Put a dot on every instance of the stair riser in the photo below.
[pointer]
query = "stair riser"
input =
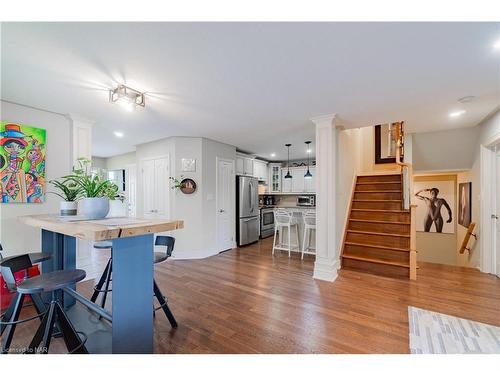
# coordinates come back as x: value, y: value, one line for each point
x: 375, y: 253
x: 377, y: 205
x: 380, y: 178
x: 379, y: 227
x: 377, y: 196
x: 375, y: 239
x: 381, y: 216
x: 378, y: 187
x: 377, y: 269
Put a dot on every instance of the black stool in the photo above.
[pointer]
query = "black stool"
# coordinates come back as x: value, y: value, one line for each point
x: 160, y: 257
x: 106, y: 275
x: 9, y: 266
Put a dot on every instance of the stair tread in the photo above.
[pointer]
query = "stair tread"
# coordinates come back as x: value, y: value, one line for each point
x: 378, y: 182
x: 379, y: 233
x: 377, y: 246
x: 379, y: 175
x: 379, y: 221
x: 376, y: 200
x: 374, y: 210
x: 377, y: 191
x: 379, y: 261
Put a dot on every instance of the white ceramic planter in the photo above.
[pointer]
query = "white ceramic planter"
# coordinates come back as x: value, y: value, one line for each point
x: 94, y: 208
x: 67, y: 208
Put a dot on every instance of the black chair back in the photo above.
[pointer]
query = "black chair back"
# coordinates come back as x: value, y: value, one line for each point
x: 166, y: 241
x: 1, y: 249
x: 12, y: 265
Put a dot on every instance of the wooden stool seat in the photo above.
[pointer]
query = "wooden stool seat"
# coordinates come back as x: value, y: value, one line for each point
x: 48, y: 282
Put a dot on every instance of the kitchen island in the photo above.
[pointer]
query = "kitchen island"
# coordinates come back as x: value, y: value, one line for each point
x: 297, y: 212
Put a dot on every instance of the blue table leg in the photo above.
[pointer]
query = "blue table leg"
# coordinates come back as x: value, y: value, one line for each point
x: 63, y: 250
x: 132, y: 294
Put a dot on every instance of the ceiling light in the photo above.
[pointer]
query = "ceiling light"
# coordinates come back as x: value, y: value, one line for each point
x: 288, y: 174
x: 497, y: 44
x: 127, y: 97
x: 308, y: 173
x: 456, y: 113
x: 273, y: 155
x: 118, y: 134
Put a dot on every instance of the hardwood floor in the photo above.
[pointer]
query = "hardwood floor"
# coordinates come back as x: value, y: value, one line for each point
x: 246, y: 301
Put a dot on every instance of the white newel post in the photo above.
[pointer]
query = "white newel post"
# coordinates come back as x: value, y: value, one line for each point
x: 327, y: 256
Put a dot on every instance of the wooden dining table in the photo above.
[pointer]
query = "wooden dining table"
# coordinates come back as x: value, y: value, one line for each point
x: 133, y: 248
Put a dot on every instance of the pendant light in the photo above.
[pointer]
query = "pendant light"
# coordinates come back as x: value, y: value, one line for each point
x: 288, y: 175
x: 308, y: 173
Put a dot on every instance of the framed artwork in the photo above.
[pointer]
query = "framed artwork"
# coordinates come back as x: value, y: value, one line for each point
x: 188, y: 186
x: 464, y: 204
x: 22, y: 163
x: 188, y: 165
x: 435, y: 204
x: 386, y: 142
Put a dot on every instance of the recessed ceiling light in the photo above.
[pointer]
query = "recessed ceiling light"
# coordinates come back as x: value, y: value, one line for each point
x: 118, y: 134
x: 456, y: 113
x: 273, y: 155
x: 466, y: 99
x: 497, y: 44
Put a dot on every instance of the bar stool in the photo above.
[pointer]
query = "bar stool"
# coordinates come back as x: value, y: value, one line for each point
x: 159, y: 257
x: 284, y: 219
x: 52, y: 282
x: 309, y: 218
x: 9, y: 278
x: 106, y: 275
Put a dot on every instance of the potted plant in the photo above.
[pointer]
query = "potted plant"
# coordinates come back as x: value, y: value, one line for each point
x: 69, y: 192
x: 95, y: 191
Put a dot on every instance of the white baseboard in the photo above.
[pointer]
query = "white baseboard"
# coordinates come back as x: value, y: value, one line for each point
x: 326, y: 271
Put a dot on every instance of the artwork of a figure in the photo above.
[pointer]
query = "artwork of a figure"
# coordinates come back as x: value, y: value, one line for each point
x: 464, y: 205
x: 22, y: 169
x: 435, y: 206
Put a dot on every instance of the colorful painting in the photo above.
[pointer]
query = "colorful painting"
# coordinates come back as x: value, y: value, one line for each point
x: 22, y: 163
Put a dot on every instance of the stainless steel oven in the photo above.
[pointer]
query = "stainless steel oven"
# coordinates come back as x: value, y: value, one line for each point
x: 266, y: 222
x: 306, y: 200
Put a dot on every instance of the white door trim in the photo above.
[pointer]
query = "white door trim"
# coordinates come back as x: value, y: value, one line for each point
x: 487, y: 256
x: 233, y: 207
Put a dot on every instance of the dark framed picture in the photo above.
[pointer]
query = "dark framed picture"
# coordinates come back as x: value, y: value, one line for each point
x: 188, y: 186
x: 386, y: 142
x: 464, y: 204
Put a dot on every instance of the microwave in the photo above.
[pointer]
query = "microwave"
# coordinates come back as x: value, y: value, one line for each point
x: 306, y: 200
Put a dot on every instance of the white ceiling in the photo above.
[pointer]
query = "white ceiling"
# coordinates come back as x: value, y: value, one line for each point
x: 253, y: 85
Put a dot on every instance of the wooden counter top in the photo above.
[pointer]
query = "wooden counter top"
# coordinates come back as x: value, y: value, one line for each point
x: 100, y: 230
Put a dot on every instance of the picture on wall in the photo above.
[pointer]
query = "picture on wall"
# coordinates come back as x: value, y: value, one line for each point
x: 435, y: 204
x: 464, y: 204
x: 22, y: 163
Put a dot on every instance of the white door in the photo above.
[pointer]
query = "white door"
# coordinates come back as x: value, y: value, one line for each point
x: 225, y: 203
x: 131, y: 177
x: 155, y: 182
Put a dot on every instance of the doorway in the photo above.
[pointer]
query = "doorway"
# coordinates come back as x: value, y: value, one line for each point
x: 155, y: 186
x: 225, y: 202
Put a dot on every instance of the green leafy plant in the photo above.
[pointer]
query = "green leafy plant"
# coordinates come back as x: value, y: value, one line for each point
x: 67, y: 191
x: 91, y: 183
x: 175, y: 183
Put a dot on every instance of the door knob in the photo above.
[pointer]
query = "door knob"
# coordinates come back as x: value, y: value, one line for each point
x: 221, y: 210
x: 493, y: 216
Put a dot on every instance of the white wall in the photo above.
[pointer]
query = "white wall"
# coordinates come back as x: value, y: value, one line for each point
x: 444, y: 150
x: 198, y: 210
x: 120, y: 161
x: 17, y: 238
x: 98, y: 162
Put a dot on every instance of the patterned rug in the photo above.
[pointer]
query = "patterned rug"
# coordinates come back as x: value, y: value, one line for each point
x: 435, y: 333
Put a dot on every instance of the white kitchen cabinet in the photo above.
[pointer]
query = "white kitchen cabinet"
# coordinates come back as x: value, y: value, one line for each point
x: 244, y: 166
x: 240, y: 165
x: 286, y: 183
x: 260, y: 170
x: 310, y: 183
x: 248, y: 166
x: 275, y: 178
x: 298, y: 181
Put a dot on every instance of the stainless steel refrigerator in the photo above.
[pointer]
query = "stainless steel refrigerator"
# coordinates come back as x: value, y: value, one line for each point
x: 247, y: 207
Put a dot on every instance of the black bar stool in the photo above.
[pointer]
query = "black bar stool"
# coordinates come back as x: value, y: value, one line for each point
x: 10, y: 268
x: 106, y: 275
x: 160, y: 257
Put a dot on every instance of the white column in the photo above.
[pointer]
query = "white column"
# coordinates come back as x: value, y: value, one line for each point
x: 82, y: 137
x: 327, y: 255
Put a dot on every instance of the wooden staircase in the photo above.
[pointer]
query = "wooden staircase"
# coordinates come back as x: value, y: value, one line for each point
x: 378, y: 231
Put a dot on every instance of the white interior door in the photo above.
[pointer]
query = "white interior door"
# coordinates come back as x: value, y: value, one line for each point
x: 225, y: 203
x: 131, y: 176
x: 155, y: 174
x: 148, y: 184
